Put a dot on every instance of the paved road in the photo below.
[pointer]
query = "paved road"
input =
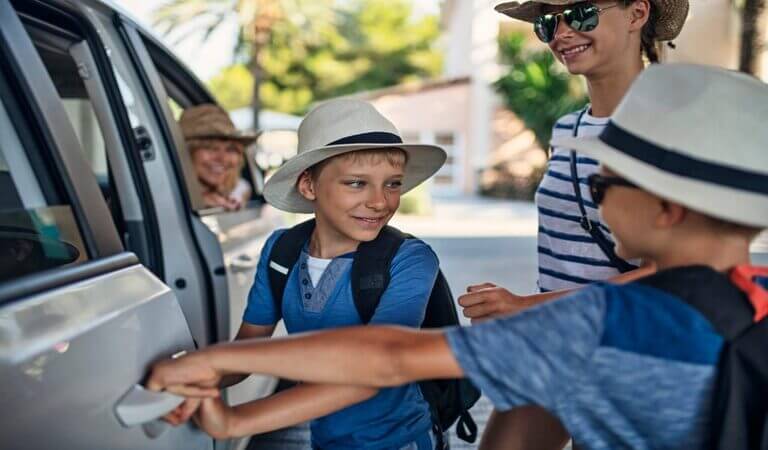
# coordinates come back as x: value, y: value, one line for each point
x: 477, y: 240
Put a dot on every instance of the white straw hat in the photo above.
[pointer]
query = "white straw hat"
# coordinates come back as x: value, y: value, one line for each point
x: 343, y: 126
x: 693, y: 134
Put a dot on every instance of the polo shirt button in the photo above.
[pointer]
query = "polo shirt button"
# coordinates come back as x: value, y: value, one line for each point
x: 305, y: 282
x: 307, y: 296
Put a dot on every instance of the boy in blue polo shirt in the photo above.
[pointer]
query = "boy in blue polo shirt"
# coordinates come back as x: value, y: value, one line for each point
x: 350, y: 171
x: 683, y: 184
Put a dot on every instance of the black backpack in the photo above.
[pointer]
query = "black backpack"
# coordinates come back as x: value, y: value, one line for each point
x: 740, y: 406
x: 449, y: 400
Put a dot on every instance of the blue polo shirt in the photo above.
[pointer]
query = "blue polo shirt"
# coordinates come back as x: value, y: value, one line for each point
x: 394, y: 417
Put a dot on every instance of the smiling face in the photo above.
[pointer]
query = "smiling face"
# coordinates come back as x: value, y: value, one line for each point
x: 613, y: 44
x: 356, y: 194
x: 217, y: 162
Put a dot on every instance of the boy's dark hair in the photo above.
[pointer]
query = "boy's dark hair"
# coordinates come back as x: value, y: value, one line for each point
x: 649, y: 45
x: 731, y: 227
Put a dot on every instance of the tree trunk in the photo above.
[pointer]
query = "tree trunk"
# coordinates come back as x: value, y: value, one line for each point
x: 257, y: 72
x: 753, y: 34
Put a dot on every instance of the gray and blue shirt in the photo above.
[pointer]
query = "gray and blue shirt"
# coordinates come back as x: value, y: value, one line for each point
x: 622, y: 367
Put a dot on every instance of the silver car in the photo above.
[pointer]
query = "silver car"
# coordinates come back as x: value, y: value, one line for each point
x: 108, y: 258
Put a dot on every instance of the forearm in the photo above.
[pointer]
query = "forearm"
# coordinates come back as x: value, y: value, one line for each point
x: 293, y: 406
x: 369, y: 356
x: 627, y: 277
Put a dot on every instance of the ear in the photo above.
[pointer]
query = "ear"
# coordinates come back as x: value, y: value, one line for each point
x: 670, y: 214
x: 306, y: 186
x: 639, y: 14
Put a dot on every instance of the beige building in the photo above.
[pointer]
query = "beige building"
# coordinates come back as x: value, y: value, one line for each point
x: 463, y: 113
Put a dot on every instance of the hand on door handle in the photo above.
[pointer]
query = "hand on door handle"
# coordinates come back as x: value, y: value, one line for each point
x: 139, y: 406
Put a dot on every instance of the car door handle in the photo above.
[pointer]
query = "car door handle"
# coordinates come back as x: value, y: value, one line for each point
x: 140, y: 406
x: 243, y: 263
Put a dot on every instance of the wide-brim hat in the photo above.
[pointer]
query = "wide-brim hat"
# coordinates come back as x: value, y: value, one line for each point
x: 209, y: 121
x: 343, y: 126
x: 672, y: 13
x: 695, y: 135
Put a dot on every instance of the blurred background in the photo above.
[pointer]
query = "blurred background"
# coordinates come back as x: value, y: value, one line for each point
x: 450, y: 72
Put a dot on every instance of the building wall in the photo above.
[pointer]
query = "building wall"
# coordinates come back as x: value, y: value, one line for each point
x: 710, y: 35
x: 429, y: 114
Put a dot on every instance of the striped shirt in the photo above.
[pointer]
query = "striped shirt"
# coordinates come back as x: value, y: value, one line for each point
x: 568, y: 255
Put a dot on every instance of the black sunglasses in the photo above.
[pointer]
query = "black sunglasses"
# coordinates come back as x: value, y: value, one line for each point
x: 580, y: 16
x: 598, y: 184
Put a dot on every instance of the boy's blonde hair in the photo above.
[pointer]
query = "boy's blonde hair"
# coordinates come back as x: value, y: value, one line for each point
x: 394, y: 156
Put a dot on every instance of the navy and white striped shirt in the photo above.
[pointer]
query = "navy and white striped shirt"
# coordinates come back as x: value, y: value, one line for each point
x: 568, y: 256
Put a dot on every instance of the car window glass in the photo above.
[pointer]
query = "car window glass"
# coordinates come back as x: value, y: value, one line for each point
x: 67, y: 76
x: 35, y: 234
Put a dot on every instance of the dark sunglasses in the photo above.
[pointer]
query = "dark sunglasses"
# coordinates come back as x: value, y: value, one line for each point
x: 580, y: 16
x: 598, y: 184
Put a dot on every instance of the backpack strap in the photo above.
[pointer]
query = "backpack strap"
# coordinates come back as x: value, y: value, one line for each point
x: 746, y: 278
x: 370, y: 270
x: 593, y: 229
x: 283, y: 257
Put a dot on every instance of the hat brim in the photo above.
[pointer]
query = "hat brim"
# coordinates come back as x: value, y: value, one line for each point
x: 712, y: 199
x: 245, y: 139
x: 280, y: 189
x: 672, y: 14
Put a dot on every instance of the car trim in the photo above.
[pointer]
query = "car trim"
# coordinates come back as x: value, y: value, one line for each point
x: 39, y: 282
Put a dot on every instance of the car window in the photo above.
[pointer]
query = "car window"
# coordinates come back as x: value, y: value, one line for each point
x: 36, y: 233
x: 68, y: 77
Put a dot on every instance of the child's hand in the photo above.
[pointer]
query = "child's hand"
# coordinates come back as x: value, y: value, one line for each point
x: 190, y: 375
x: 486, y: 301
x: 183, y: 412
x: 215, y: 418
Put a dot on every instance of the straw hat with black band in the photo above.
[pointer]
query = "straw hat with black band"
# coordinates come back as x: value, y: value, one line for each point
x: 343, y: 126
x: 209, y: 121
x: 672, y: 13
x: 695, y: 135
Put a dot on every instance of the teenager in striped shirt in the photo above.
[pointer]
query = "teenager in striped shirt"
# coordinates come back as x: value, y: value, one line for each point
x: 607, y: 42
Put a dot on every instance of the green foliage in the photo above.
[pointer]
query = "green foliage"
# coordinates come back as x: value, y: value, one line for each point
x: 416, y: 202
x: 363, y: 45
x: 233, y: 87
x: 536, y: 88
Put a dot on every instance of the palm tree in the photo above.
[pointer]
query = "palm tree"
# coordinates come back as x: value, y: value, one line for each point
x: 256, y: 20
x: 753, y: 36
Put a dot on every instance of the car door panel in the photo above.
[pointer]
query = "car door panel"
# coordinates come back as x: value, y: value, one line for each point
x: 67, y: 357
x: 80, y: 331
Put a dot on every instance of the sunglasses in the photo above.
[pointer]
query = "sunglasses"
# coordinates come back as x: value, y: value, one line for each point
x: 580, y: 16
x: 598, y: 184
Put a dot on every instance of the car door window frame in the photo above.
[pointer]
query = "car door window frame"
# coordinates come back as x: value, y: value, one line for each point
x: 81, y: 29
x: 48, y: 139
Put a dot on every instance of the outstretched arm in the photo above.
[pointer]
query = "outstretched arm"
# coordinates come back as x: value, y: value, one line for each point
x: 284, y: 409
x: 364, y: 356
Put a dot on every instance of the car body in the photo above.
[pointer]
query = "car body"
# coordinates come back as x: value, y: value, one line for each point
x: 109, y: 260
